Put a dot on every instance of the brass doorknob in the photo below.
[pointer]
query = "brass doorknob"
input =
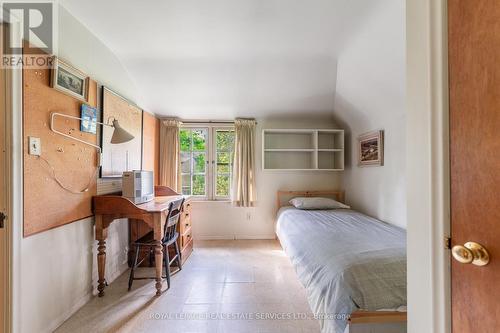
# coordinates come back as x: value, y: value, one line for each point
x: 471, y: 253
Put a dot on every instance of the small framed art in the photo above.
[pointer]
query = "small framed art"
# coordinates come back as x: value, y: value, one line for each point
x: 89, y: 119
x: 371, y: 149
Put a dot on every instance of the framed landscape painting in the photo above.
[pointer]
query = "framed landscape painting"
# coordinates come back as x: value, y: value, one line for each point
x: 69, y: 80
x: 371, y: 149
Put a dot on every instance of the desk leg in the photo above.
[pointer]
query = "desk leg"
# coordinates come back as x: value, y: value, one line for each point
x: 159, y: 266
x: 101, y: 235
x: 158, y: 235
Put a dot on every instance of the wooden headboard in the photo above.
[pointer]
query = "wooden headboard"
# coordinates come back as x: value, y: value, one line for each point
x: 284, y: 196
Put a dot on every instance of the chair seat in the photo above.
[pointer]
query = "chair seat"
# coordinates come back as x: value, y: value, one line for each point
x: 148, y: 240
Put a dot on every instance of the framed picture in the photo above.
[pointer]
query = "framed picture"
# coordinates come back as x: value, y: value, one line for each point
x: 69, y: 80
x: 371, y: 149
x: 89, y: 119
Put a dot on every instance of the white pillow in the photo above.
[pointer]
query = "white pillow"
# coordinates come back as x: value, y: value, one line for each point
x: 316, y: 203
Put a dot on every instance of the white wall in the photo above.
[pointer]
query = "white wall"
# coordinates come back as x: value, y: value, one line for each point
x: 221, y: 220
x: 370, y: 95
x: 58, y: 267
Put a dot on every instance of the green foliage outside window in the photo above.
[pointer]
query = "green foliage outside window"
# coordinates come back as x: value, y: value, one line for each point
x: 199, y: 140
x: 224, y: 148
x: 223, y: 185
x: 185, y: 139
x: 225, y: 140
x: 198, y: 184
x: 196, y: 138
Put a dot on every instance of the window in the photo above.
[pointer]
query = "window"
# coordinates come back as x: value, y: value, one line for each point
x: 223, y: 148
x: 206, y: 161
x: 194, y: 153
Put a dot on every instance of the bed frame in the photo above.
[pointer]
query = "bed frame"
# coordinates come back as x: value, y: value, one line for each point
x: 360, y: 316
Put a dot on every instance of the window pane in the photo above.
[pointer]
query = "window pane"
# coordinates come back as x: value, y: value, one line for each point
x: 223, y: 158
x: 222, y: 186
x: 199, y: 139
x: 186, y: 162
x: 185, y: 138
x: 186, y: 184
x: 199, y: 185
x: 223, y: 162
x: 223, y: 168
x: 225, y: 140
x: 199, y: 162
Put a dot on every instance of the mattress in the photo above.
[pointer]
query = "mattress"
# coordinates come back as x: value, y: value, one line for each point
x: 346, y: 261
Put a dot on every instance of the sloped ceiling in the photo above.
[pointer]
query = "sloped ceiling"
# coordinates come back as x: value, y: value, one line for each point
x: 218, y: 59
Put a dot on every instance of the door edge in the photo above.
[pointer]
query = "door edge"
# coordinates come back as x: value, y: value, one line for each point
x: 428, y: 208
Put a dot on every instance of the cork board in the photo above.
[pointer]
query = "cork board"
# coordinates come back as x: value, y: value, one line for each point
x: 127, y: 156
x: 46, y: 204
x: 151, y: 144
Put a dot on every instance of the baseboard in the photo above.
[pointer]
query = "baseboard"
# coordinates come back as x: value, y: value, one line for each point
x: 235, y: 237
x: 255, y: 237
x: 202, y: 238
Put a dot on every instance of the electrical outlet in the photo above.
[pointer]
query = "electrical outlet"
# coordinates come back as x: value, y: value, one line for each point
x: 35, y: 146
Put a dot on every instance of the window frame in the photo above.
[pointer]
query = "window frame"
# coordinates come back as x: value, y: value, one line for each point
x: 211, y: 163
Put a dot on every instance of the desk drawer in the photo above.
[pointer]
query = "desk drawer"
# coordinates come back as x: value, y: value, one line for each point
x: 186, y: 251
x: 186, y: 238
x: 186, y: 212
x: 184, y: 224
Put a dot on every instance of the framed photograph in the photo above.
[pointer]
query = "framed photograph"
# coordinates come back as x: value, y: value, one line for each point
x: 69, y: 80
x: 89, y: 119
x: 371, y: 149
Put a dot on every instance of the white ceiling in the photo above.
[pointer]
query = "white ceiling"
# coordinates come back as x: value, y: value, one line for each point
x: 218, y: 59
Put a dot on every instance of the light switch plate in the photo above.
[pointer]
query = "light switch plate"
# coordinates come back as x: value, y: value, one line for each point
x: 35, y: 146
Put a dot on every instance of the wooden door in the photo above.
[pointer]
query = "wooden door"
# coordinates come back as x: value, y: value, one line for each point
x: 474, y: 79
x: 3, y: 199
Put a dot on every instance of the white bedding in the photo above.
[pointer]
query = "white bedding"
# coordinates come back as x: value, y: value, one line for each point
x: 346, y: 261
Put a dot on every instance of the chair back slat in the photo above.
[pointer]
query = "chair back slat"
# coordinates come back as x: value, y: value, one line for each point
x: 173, y: 216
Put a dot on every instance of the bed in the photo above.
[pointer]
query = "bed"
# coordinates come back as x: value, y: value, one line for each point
x: 352, y: 266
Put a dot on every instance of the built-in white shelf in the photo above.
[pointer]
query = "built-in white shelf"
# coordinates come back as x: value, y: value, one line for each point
x: 303, y: 149
x: 330, y: 149
x: 289, y: 150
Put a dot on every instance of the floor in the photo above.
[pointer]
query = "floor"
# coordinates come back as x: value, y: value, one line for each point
x: 225, y: 286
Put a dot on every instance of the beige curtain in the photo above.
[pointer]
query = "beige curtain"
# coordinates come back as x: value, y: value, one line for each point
x: 243, y: 188
x: 170, y: 154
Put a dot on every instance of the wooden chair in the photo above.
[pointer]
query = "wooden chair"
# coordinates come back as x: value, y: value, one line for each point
x: 170, y: 238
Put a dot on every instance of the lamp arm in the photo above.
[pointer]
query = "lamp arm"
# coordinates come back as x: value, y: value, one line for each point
x: 54, y: 114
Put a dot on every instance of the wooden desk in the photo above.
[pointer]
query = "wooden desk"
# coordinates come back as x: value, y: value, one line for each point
x: 108, y: 208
